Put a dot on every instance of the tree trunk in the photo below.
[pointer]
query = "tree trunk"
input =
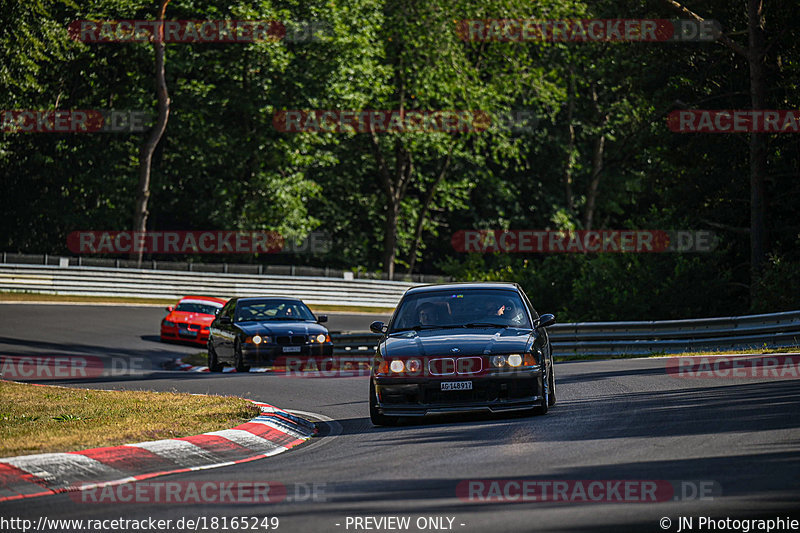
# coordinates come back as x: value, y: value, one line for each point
x: 598, y: 153
x: 570, y: 141
x: 597, y: 169
x: 394, y: 182
x: 426, y: 204
x: 390, y: 238
x: 149, y: 146
x: 755, y: 54
x: 758, y: 141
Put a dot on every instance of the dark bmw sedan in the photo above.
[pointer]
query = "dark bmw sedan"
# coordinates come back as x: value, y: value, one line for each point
x: 462, y: 347
x: 261, y: 331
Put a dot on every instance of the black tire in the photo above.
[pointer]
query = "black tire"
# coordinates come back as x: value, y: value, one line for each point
x: 213, y: 361
x: 377, y: 418
x: 552, y: 380
x: 238, y: 359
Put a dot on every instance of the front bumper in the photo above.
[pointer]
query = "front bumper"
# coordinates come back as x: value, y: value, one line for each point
x: 174, y: 334
x: 269, y: 354
x: 490, y: 393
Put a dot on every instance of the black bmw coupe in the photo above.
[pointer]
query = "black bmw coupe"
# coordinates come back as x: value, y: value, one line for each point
x: 259, y: 331
x: 462, y: 347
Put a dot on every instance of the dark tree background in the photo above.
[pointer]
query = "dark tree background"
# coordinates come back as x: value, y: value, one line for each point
x: 600, y: 155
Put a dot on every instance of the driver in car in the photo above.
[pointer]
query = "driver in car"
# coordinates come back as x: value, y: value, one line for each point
x: 506, y: 310
x: 493, y: 309
x: 426, y: 315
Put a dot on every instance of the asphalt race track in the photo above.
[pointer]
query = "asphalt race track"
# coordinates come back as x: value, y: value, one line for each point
x: 737, y: 439
x: 127, y: 335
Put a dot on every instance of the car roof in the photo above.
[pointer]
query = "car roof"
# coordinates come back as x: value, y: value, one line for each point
x: 498, y: 285
x: 211, y: 299
x: 262, y: 298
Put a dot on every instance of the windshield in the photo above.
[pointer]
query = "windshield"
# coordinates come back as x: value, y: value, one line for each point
x: 461, y: 308
x: 190, y: 307
x: 258, y: 310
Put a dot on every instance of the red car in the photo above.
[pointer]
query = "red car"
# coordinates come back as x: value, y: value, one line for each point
x: 190, y: 319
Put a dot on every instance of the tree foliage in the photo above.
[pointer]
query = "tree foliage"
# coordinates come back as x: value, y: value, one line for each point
x: 600, y: 154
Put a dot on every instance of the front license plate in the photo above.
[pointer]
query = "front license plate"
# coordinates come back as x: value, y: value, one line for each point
x: 456, y: 385
x: 187, y: 333
x: 291, y: 349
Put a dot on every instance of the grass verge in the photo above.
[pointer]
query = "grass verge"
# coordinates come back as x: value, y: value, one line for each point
x: 195, y: 359
x: 36, y: 419
x: 14, y: 296
x: 753, y: 351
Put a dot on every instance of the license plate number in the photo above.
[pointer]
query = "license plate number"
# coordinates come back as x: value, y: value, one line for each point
x: 457, y: 385
x: 291, y: 349
x: 187, y: 333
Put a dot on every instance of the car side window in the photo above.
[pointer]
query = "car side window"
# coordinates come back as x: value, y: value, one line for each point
x: 227, y: 310
x: 534, y: 314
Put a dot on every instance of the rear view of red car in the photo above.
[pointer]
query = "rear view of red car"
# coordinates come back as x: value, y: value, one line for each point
x: 190, y: 319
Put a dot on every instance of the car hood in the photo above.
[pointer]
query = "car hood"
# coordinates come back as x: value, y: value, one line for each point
x: 478, y: 341
x: 277, y: 327
x: 191, y: 318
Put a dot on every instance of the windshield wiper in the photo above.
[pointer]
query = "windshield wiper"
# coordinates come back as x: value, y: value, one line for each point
x: 486, y: 325
x: 419, y: 327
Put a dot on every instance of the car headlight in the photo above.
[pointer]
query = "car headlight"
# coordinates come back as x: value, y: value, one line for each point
x: 167, y: 323
x: 513, y: 360
x: 413, y: 366
x: 257, y: 339
x: 396, y: 366
x: 321, y: 337
x: 498, y: 360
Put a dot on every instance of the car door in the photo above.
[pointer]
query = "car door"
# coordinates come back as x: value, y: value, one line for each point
x: 542, y: 341
x: 222, y: 332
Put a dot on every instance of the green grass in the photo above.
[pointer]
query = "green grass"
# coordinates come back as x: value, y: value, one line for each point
x: 36, y: 419
x: 13, y: 296
x: 752, y: 351
x: 196, y: 359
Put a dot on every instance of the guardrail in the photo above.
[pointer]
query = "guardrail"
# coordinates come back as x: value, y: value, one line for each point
x: 8, y: 258
x: 94, y: 281
x: 775, y: 330
x: 582, y: 338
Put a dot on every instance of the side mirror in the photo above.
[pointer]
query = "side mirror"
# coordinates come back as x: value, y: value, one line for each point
x: 224, y: 320
x: 322, y: 318
x: 544, y: 321
x: 377, y: 327
x: 170, y: 309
